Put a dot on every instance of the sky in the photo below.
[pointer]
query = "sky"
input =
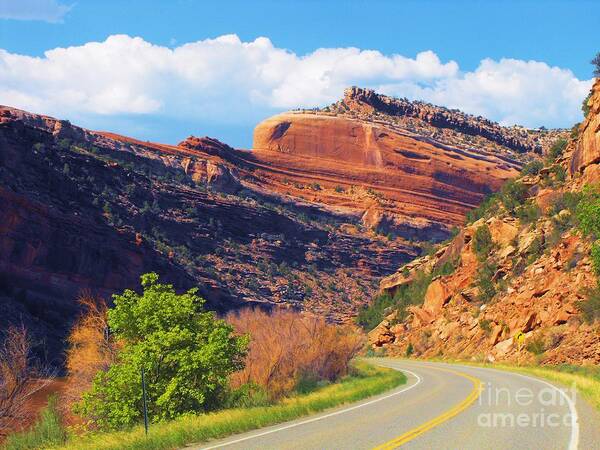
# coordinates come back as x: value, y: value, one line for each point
x: 162, y: 70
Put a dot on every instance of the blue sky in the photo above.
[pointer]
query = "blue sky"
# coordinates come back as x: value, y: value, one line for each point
x: 475, y: 55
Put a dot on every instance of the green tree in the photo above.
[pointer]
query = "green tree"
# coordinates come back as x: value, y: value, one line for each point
x: 532, y: 168
x: 557, y: 149
x: 482, y: 242
x: 513, y: 194
x: 186, y: 352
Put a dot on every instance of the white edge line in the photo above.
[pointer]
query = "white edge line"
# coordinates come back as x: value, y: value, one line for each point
x: 574, y: 441
x: 315, y: 419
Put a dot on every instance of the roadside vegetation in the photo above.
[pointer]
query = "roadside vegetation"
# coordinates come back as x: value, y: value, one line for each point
x: 363, y: 381
x: 206, y: 377
x: 411, y: 293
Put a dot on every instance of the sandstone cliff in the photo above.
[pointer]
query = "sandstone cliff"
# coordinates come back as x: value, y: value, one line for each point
x: 422, y: 166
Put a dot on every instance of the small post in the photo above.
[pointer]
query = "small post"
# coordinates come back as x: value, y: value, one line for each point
x: 145, y: 402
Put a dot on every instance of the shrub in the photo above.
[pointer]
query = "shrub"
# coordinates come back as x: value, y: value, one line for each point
x: 513, y: 194
x: 595, y: 254
x: 535, y: 250
x: 488, y: 204
x: 567, y: 200
x: 91, y: 348
x: 590, y: 307
x: 409, y: 349
x: 532, y: 168
x: 528, y: 213
x: 411, y: 293
x: 559, y: 172
x: 557, y: 149
x: 537, y: 345
x: 588, y: 212
x: 486, y: 325
x: 288, y: 351
x: 186, y: 352
x: 482, y: 242
x: 483, y: 280
x: 427, y: 248
x: 585, y: 108
x: 370, y: 316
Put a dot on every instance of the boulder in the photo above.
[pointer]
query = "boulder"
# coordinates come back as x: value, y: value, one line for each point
x: 437, y: 295
x: 502, y: 232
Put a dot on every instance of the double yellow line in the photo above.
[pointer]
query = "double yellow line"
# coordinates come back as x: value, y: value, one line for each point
x: 455, y: 410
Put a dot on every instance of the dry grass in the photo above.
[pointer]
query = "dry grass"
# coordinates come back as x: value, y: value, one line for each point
x: 287, y: 347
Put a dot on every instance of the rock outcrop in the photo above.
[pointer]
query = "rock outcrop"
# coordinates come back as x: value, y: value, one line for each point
x: 367, y: 101
x: 539, y: 269
x: 408, y: 185
x: 587, y: 150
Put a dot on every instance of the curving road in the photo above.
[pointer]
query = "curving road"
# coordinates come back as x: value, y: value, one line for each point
x: 442, y: 406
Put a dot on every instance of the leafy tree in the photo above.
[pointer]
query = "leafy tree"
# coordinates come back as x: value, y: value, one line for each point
x: 186, y: 352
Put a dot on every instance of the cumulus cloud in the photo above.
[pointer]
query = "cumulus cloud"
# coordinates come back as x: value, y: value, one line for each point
x: 225, y: 80
x: 46, y: 10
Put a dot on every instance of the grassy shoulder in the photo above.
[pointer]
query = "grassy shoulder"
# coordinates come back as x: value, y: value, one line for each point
x: 365, y: 381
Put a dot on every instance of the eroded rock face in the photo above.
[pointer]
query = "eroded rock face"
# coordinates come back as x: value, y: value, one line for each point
x: 367, y: 100
x: 206, y: 144
x: 538, y: 302
x: 409, y: 183
x: 587, y: 150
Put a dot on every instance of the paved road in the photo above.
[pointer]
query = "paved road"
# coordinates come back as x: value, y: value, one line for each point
x: 442, y: 406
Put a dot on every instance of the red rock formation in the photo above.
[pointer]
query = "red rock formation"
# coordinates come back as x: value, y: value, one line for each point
x: 587, y: 151
x: 414, y: 182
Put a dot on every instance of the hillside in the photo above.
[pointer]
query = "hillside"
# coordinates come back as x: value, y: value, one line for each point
x: 519, y: 282
x: 313, y: 227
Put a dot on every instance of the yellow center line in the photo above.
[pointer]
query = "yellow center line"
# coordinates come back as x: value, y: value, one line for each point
x: 455, y: 410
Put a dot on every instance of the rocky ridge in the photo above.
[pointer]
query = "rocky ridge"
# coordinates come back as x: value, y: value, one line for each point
x: 541, y: 271
x: 422, y: 166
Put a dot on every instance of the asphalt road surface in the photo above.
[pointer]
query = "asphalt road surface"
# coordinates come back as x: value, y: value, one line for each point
x: 442, y: 406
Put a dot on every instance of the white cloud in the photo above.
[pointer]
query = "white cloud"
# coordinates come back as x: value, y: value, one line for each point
x: 227, y: 81
x: 46, y: 10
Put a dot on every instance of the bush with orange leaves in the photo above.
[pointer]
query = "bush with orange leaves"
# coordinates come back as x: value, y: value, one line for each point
x: 91, y: 349
x: 287, y: 347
